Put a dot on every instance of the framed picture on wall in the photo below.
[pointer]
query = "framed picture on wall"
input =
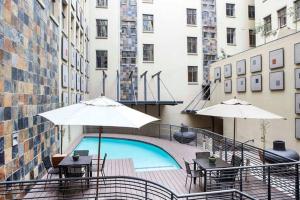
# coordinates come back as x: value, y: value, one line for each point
x: 297, y: 103
x: 276, y: 80
x: 256, y: 83
x: 228, y: 86
x: 297, y: 53
x: 65, y: 76
x: 217, y: 73
x: 227, y: 71
x: 297, y: 78
x: 256, y: 64
x: 241, y: 67
x: 297, y: 128
x: 65, y: 48
x: 241, y: 84
x: 276, y: 58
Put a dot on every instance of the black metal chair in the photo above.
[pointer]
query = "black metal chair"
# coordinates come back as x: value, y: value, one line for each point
x: 103, y: 164
x: 200, y: 155
x: 74, y: 172
x: 49, y: 168
x: 236, y: 161
x: 226, y: 178
x: 82, y: 152
x: 191, y: 174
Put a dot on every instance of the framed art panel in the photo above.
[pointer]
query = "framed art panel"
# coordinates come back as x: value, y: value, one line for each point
x: 77, y: 60
x: 65, y: 48
x: 228, y: 86
x: 256, y: 83
x: 297, y: 103
x: 297, y: 53
x: 297, y: 128
x: 217, y: 73
x: 241, y: 67
x: 227, y: 71
x: 276, y: 80
x: 65, y: 98
x: 297, y: 78
x: 65, y: 76
x: 241, y: 84
x: 256, y: 64
x: 276, y: 59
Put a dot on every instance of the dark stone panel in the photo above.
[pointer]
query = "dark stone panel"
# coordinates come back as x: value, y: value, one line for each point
x: 14, y: 151
x: 1, y: 113
x: 2, y: 158
x: 1, y: 144
x: 7, y: 113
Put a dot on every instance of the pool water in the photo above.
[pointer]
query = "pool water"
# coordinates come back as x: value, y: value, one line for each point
x: 146, y: 157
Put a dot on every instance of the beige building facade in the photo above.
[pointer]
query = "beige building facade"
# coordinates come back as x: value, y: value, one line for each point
x: 267, y: 77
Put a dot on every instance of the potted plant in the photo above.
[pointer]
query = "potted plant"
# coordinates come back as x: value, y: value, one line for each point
x: 212, y: 159
x: 75, y: 156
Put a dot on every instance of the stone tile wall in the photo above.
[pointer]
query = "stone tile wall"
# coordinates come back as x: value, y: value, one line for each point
x: 29, y: 53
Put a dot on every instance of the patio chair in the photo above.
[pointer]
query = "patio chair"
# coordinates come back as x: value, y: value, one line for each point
x: 82, y: 152
x: 191, y: 174
x: 226, y: 178
x: 74, y: 172
x: 236, y: 161
x: 49, y: 168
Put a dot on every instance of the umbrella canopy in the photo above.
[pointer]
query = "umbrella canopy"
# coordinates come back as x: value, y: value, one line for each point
x: 101, y: 111
x: 236, y: 108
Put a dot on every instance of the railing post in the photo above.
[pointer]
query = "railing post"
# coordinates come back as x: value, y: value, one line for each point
x: 241, y: 179
x: 205, y: 181
x: 297, y: 195
x: 242, y: 154
x: 172, y: 196
x: 146, y: 190
x: 225, y: 143
x: 269, y: 183
x: 264, y: 169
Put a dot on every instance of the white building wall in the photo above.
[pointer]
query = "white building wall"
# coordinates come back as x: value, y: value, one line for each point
x: 270, y: 7
x: 240, y: 22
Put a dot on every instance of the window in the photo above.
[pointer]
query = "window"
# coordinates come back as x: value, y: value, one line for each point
x: 252, y: 38
x: 281, y: 17
x: 101, y: 28
x: 251, y: 12
x: 230, y: 10
x: 101, y: 57
x: 148, y: 23
x: 102, y: 3
x: 297, y: 10
x: 230, y: 35
x: 267, y: 24
x: 191, y: 16
x: 148, y: 52
x: 192, y: 74
x: 192, y: 45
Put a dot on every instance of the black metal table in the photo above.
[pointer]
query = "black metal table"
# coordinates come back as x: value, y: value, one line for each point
x: 204, y: 165
x: 84, y: 161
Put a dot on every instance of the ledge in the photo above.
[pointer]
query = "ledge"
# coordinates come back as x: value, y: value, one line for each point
x: 148, y: 61
x: 193, y: 54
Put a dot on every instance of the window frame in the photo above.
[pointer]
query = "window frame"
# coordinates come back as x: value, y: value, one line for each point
x: 150, y: 57
x: 191, y: 17
x: 297, y: 10
x: 193, y: 74
x: 252, y: 44
x: 267, y: 21
x: 149, y: 20
x: 233, y: 36
x: 190, y: 46
x: 105, y: 62
x: 98, y: 28
x: 282, y: 18
x: 105, y: 5
x: 251, y: 12
x: 230, y: 11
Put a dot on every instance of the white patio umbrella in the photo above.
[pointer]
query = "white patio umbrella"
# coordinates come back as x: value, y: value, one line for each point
x: 101, y: 112
x: 235, y: 108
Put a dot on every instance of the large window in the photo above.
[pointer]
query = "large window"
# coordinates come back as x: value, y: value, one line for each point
x: 252, y: 38
x: 230, y: 35
x: 101, y: 28
x: 191, y: 16
x: 191, y: 44
x: 102, y: 3
x: 230, y: 10
x: 268, y: 24
x: 281, y: 17
x: 251, y: 12
x: 297, y: 10
x: 192, y: 74
x: 148, y: 52
x: 148, y: 23
x: 101, y: 57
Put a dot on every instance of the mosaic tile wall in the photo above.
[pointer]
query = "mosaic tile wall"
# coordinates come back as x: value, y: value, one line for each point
x: 128, y: 48
x: 29, y: 42
x: 209, y: 40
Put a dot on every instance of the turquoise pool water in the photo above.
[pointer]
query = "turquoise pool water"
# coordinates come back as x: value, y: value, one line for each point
x: 146, y: 157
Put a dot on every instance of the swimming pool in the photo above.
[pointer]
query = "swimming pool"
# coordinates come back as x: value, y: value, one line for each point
x: 145, y: 156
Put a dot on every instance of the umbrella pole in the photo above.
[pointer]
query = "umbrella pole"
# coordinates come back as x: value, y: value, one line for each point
x: 98, y: 165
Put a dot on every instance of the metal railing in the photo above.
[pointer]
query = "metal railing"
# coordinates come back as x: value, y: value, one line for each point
x: 120, y: 187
